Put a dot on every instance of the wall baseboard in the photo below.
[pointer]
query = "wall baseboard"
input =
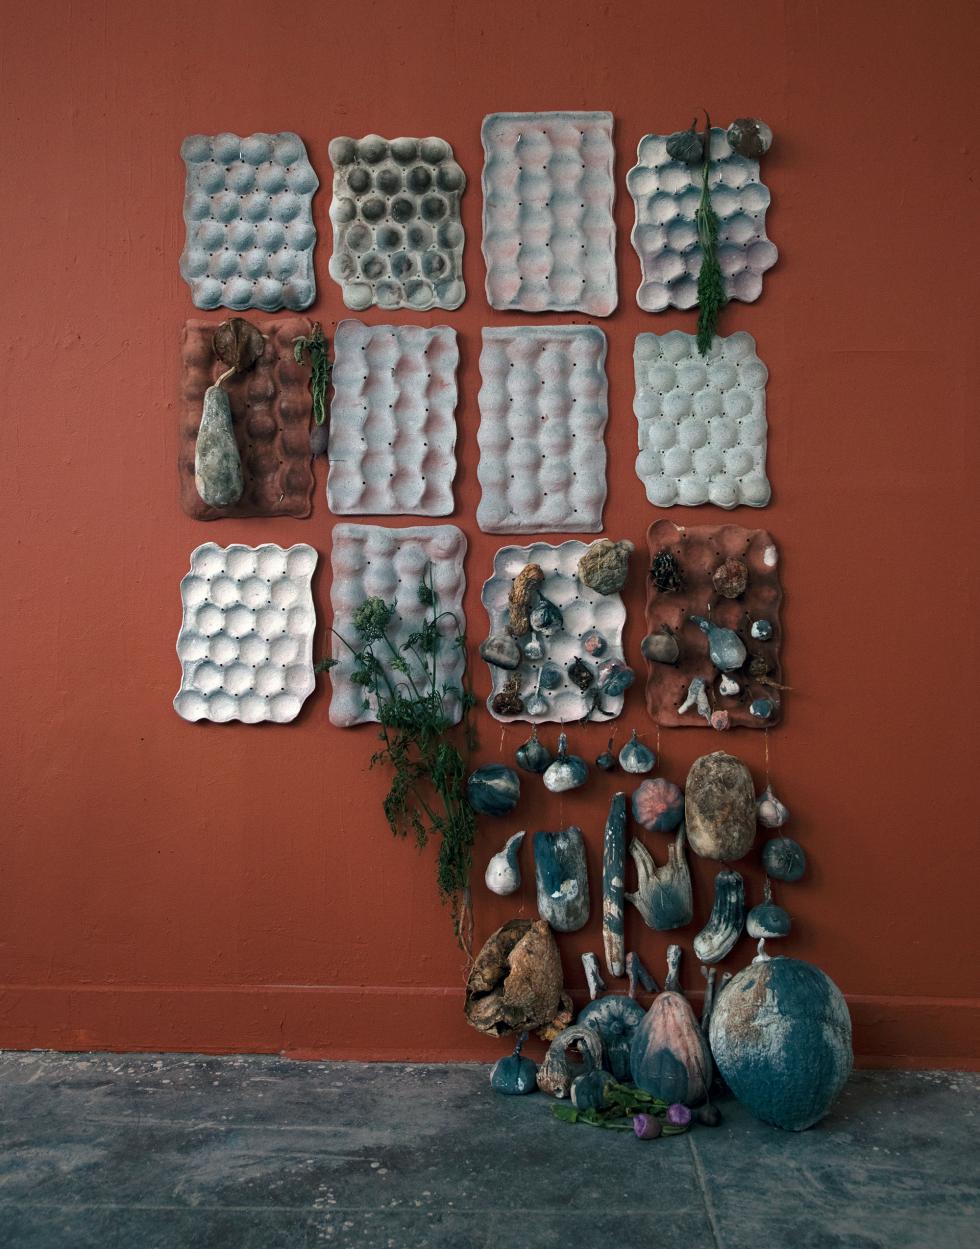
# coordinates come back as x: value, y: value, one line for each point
x: 390, y: 1024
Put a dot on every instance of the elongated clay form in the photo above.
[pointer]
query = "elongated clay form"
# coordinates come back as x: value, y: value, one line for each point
x: 217, y: 464
x: 613, y: 873
x: 719, y: 807
x: 669, y: 1056
x: 562, y: 878
x: 663, y: 894
x: 781, y: 1036
x: 554, y: 1074
x: 727, y: 918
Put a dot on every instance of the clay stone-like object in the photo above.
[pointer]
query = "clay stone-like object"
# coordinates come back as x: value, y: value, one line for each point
x: 562, y: 879
x: 549, y: 239
x: 604, y: 565
x: 515, y: 983
x: 217, y: 464
x: 397, y: 234
x: 719, y: 805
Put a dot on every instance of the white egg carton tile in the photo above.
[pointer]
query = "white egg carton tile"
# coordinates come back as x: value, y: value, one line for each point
x: 250, y: 231
x: 702, y: 420
x: 666, y: 194
x: 246, y: 641
x: 374, y: 561
x: 549, y: 240
x: 392, y: 420
x: 397, y: 233
x: 543, y: 413
x: 582, y: 609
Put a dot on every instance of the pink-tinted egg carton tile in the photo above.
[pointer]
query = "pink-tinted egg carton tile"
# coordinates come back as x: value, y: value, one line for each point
x: 271, y: 409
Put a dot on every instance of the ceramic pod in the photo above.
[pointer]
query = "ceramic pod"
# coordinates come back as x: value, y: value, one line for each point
x: 567, y: 772
x: 669, y: 1056
x: 783, y: 858
x: 562, y: 878
x: 727, y: 918
x: 217, y: 463
x: 658, y: 805
x: 493, y: 789
x: 635, y: 757
x: 615, y: 1018
x: 685, y: 146
x: 663, y: 894
x: 719, y: 807
x: 769, y: 811
x: 534, y: 756
x: 503, y: 874
x: 514, y: 1075
x: 726, y: 650
x: 613, y: 877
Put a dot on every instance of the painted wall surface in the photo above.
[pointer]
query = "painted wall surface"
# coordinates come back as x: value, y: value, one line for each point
x: 169, y: 885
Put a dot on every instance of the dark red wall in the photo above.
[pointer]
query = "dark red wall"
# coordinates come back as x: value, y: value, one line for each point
x: 166, y: 885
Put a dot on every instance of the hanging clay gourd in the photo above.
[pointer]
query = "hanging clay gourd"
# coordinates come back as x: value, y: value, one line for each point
x: 669, y: 1056
x: 726, y: 650
x: 719, y: 807
x: 635, y: 757
x: 514, y: 1074
x: 562, y: 878
x: 503, y: 873
x: 567, y: 772
x: 783, y: 858
x: 749, y: 137
x: 767, y: 919
x: 607, y: 760
x: 493, y: 789
x: 781, y: 1036
x: 769, y: 811
x: 663, y: 894
x: 534, y: 756
x: 217, y: 462
x: 727, y: 918
x: 537, y: 704
x: 613, y: 876
x: 686, y: 146
x: 502, y: 651
x: 658, y: 805
x: 554, y: 1074
x: 615, y: 1018
x: 604, y: 565
x: 515, y: 983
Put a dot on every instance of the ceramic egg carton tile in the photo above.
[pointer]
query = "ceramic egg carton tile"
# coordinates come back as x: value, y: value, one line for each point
x: 582, y: 610
x: 397, y: 233
x: 543, y: 412
x: 246, y: 641
x: 666, y: 194
x: 699, y: 550
x: 392, y: 420
x: 549, y: 240
x: 702, y: 420
x: 271, y: 410
x: 249, y: 223
x: 374, y: 561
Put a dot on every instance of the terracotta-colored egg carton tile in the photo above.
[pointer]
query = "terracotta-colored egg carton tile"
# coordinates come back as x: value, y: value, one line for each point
x: 699, y: 550
x: 271, y: 409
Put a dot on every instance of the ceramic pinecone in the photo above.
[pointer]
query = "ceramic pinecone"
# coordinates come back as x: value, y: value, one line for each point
x: 397, y: 234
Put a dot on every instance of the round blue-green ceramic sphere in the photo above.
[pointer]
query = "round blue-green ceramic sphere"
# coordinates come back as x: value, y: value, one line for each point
x: 493, y: 789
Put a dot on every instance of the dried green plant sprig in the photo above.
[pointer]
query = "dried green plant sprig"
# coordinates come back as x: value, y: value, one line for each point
x: 711, y: 283
x: 320, y: 367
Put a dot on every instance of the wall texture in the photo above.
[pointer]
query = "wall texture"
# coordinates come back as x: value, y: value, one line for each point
x: 168, y: 885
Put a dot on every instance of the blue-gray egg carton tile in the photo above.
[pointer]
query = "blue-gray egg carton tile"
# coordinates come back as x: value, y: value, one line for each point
x: 397, y: 233
x: 249, y: 223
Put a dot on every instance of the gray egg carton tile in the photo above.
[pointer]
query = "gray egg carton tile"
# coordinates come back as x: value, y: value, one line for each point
x: 702, y: 420
x: 397, y: 233
x: 392, y: 420
x: 375, y: 561
x: 666, y: 194
x: 581, y: 608
x: 549, y: 239
x: 246, y: 641
x: 250, y: 231
x: 543, y: 413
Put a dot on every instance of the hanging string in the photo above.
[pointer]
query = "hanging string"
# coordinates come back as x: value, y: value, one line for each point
x: 766, y: 732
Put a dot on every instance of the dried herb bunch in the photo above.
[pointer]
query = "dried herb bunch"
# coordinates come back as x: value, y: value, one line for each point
x: 711, y: 284
x: 428, y: 754
x: 320, y: 366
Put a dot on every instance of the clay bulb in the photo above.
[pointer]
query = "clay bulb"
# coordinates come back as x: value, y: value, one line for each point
x: 686, y: 146
x: 749, y: 137
x: 635, y: 757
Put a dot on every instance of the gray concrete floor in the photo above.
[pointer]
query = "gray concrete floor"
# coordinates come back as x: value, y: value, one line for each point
x: 260, y: 1153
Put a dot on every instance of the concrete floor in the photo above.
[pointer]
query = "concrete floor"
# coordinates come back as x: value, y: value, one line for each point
x: 259, y: 1153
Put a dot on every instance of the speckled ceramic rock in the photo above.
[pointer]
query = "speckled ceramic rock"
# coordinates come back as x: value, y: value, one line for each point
x: 582, y: 609
x: 217, y: 464
x: 549, y: 240
x: 515, y: 983
x: 562, y: 878
x: 781, y: 1036
x: 250, y: 230
x: 397, y: 234
x: 702, y: 420
x: 392, y: 420
x: 605, y: 565
x: 666, y: 193
x: 719, y: 802
x: 543, y: 411
x: 372, y: 560
x: 246, y: 641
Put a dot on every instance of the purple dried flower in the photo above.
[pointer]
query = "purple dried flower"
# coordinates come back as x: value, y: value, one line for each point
x: 646, y: 1127
x: 678, y: 1115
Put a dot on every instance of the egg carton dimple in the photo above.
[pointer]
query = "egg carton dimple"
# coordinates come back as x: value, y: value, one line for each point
x: 246, y: 641
x: 582, y: 609
x: 392, y: 420
x: 549, y: 239
x: 666, y: 194
x: 397, y: 232
x: 702, y: 420
x: 543, y: 413
x: 372, y: 561
x: 250, y: 231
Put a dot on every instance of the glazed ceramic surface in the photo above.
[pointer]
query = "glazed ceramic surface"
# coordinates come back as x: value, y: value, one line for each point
x: 250, y: 231
x: 246, y: 641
